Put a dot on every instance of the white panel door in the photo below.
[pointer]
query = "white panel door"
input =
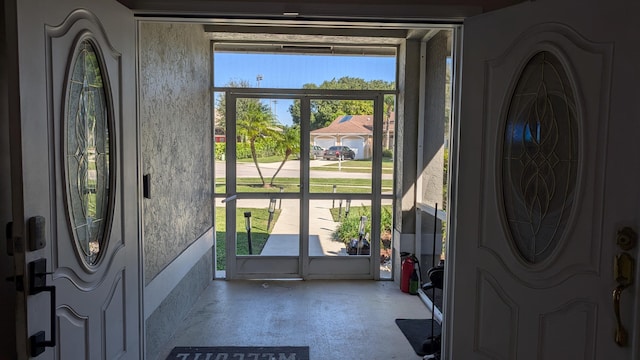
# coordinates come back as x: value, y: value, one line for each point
x: 357, y: 145
x: 324, y: 143
x: 77, y: 152
x: 545, y: 180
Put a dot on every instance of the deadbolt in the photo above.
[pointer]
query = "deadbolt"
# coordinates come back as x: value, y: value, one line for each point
x: 627, y: 238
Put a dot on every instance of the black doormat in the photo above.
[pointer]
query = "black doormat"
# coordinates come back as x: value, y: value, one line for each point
x: 240, y: 352
x: 417, y: 331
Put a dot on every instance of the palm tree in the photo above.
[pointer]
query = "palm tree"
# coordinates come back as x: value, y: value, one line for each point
x: 255, y: 123
x: 289, y: 143
x: 389, y: 103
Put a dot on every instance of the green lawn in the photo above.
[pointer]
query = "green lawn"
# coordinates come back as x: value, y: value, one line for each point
x: 266, y: 159
x: 259, y: 232
x: 356, y: 166
x: 319, y: 185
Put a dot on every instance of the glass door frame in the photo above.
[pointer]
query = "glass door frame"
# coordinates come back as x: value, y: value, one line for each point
x: 303, y: 265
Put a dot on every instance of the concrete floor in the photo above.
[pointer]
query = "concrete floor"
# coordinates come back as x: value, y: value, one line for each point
x: 336, y: 319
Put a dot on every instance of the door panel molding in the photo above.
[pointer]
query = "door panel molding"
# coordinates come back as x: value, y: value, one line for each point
x: 74, y: 333
x: 501, y: 76
x: 114, y: 332
x: 78, y: 24
x: 496, y: 327
x: 554, y: 330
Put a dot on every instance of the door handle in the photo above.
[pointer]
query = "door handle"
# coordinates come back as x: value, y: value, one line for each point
x: 230, y: 198
x: 38, y: 284
x: 621, y: 332
x: 623, y: 268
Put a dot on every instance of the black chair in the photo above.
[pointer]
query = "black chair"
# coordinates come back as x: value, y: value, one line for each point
x: 432, y: 345
x: 436, y: 278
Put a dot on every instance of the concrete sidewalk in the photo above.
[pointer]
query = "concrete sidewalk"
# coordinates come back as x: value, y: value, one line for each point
x: 284, y: 238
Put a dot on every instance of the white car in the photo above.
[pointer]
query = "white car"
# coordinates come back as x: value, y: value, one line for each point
x: 315, y: 152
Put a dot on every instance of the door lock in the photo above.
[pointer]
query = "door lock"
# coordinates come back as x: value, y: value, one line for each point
x: 37, y: 233
x: 627, y: 238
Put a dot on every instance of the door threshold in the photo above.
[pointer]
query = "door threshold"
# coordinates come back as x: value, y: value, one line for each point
x: 437, y: 314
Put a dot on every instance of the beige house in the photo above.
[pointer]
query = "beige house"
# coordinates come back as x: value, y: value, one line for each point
x: 356, y: 132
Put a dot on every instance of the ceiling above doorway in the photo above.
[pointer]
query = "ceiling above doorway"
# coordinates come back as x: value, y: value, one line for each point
x: 376, y: 10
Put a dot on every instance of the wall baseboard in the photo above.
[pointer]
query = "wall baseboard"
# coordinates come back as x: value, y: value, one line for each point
x: 162, y: 285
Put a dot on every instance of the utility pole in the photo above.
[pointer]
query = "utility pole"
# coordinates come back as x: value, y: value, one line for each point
x: 258, y: 78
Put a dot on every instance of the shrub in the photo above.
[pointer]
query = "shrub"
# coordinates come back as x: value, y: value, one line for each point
x: 387, y: 153
x: 350, y: 226
x: 220, y: 149
x: 264, y: 148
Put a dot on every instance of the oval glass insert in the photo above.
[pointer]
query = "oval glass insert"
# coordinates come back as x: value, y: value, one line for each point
x: 87, y: 166
x: 540, y: 157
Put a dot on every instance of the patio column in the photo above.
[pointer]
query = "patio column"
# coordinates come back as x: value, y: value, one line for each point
x: 420, y: 138
x: 431, y: 184
x: 407, y: 111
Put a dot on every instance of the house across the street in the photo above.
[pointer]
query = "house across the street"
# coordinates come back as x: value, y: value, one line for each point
x: 356, y: 132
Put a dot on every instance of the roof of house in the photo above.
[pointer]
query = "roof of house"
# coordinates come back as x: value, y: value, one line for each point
x: 352, y: 124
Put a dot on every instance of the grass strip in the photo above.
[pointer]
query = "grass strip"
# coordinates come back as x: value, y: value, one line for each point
x: 259, y: 232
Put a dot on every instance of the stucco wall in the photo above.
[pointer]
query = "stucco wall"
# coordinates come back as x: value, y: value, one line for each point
x: 407, y: 135
x: 433, y: 148
x: 175, y: 116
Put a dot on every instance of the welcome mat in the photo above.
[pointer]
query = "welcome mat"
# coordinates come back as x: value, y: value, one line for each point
x: 417, y: 331
x: 240, y: 352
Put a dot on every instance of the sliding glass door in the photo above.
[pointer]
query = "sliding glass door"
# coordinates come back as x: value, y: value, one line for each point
x: 303, y: 199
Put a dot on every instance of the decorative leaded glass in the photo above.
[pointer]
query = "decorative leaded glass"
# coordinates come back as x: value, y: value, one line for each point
x: 88, y: 174
x: 540, y: 157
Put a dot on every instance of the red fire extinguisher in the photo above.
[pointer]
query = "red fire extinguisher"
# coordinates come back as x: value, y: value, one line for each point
x: 409, y: 262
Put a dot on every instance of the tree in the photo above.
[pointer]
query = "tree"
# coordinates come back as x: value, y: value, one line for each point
x: 323, y: 112
x: 289, y: 143
x: 221, y: 104
x: 389, y: 107
x: 254, y: 123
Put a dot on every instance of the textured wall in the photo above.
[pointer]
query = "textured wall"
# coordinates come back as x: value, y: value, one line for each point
x: 433, y: 150
x: 175, y: 116
x: 407, y: 135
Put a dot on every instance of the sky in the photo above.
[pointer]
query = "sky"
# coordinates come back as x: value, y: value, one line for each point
x: 292, y: 71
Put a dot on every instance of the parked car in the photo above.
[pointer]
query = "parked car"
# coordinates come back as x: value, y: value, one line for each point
x: 335, y: 152
x: 316, y: 152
